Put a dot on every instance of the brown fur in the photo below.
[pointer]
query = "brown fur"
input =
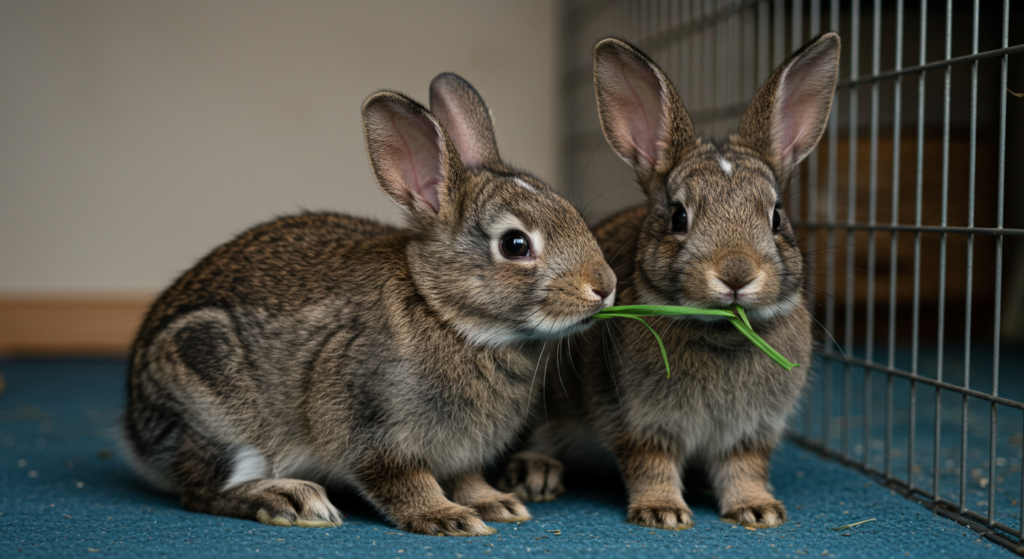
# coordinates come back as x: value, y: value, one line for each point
x: 330, y: 348
x: 741, y: 481
x: 654, y: 482
x: 726, y: 404
x: 470, y: 489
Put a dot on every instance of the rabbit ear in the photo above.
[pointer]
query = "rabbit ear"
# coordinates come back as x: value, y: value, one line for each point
x: 465, y: 117
x: 412, y: 158
x: 641, y: 115
x: 788, y: 115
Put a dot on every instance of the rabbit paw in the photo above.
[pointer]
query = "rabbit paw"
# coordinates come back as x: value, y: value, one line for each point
x: 293, y: 502
x: 665, y: 516
x: 449, y: 521
x: 533, y: 476
x: 764, y: 514
x: 502, y: 507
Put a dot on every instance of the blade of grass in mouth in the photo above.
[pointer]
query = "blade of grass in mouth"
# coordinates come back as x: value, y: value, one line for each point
x: 743, y: 314
x: 737, y: 317
x: 661, y: 345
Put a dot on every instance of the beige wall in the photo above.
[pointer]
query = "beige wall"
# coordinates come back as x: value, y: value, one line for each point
x: 136, y: 136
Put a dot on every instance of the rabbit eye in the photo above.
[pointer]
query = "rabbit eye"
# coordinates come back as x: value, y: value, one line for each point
x: 679, y: 221
x: 514, y: 244
x: 776, y: 221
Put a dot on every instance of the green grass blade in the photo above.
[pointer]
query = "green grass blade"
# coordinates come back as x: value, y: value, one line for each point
x: 661, y: 344
x: 737, y: 317
x: 762, y: 345
x: 743, y: 315
x: 660, y: 310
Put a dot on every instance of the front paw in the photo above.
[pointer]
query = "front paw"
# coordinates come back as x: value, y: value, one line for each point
x: 502, y: 507
x: 762, y: 514
x: 664, y: 516
x: 533, y: 476
x: 454, y: 520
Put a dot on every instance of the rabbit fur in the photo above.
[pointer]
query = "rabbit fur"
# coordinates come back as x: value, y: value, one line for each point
x: 712, y: 234
x: 323, y: 348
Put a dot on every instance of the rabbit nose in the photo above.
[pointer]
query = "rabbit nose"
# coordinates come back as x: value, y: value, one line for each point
x: 603, y: 283
x: 736, y: 273
x: 735, y: 285
x: 607, y: 298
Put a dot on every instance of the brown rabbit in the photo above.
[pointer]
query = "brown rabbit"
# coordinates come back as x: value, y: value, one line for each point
x: 328, y: 348
x: 713, y: 234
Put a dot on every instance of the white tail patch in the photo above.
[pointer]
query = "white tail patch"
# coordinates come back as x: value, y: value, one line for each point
x: 249, y: 465
x: 525, y: 184
x: 726, y: 166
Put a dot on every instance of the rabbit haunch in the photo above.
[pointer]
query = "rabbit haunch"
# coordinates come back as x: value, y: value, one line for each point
x: 328, y: 348
x: 711, y: 235
x: 449, y: 434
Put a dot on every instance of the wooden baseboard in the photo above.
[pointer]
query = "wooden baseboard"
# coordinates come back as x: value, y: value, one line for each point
x: 65, y: 325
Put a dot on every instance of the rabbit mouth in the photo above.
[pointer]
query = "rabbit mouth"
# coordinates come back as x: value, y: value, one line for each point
x: 772, y: 310
x: 579, y: 325
x: 727, y: 304
x: 557, y: 327
x: 757, y: 311
x: 712, y: 300
x: 569, y: 325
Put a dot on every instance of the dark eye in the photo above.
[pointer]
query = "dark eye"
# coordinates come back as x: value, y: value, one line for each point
x: 776, y: 220
x: 679, y: 221
x: 514, y: 244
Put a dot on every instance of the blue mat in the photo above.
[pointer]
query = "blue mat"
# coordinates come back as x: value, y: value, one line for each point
x: 927, y: 460
x: 66, y: 491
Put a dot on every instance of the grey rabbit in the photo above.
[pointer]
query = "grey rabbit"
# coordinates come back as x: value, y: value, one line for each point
x: 713, y: 234
x: 322, y: 348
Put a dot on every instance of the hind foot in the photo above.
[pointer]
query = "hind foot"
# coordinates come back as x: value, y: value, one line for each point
x: 279, y: 502
x: 533, y: 476
x: 293, y: 502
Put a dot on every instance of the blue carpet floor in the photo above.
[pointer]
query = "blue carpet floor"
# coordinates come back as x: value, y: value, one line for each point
x: 65, y: 491
x: 928, y: 459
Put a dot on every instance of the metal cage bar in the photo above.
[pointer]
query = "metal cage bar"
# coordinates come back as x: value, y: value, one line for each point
x: 965, y: 400
x: 851, y: 218
x: 918, y: 192
x: 869, y: 341
x: 893, y: 242
x: 940, y: 334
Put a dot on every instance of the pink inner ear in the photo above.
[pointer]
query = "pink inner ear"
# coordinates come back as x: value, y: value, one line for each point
x: 635, y: 107
x: 803, y: 102
x: 419, y: 157
x: 471, y: 148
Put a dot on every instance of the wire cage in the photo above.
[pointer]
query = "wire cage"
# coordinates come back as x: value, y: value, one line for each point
x: 915, y: 266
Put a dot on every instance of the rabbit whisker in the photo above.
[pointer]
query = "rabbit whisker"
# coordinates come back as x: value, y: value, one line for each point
x: 529, y: 399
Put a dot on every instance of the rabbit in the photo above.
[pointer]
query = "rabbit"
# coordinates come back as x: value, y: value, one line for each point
x: 713, y: 234
x: 327, y: 349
